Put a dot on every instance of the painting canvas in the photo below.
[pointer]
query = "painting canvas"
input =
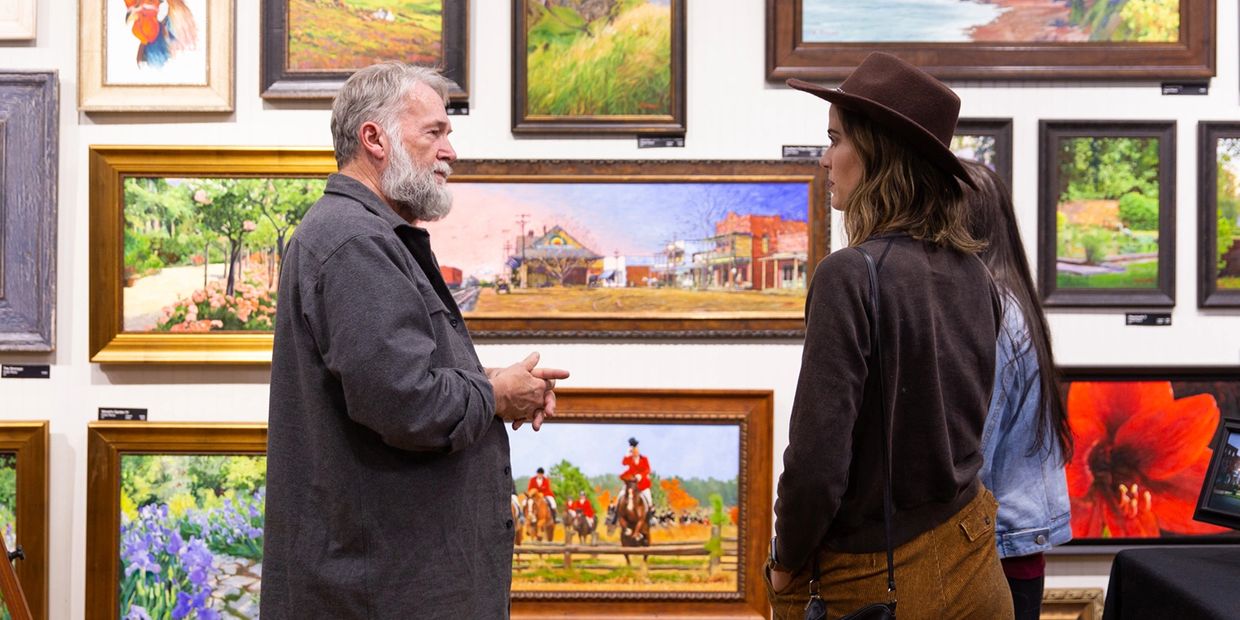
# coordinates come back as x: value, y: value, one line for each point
x: 23, y: 513
x: 161, y: 42
x: 599, y: 65
x: 687, y: 534
x: 351, y: 34
x: 1143, y: 442
x: 1228, y: 249
x: 1109, y: 207
x: 986, y: 140
x: 1218, y: 178
x: 203, y: 254
x: 1219, y: 502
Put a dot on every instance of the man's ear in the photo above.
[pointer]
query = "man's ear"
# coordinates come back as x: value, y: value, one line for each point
x: 373, y: 140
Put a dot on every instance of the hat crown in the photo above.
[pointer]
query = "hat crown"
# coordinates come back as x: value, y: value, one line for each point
x: 907, y: 90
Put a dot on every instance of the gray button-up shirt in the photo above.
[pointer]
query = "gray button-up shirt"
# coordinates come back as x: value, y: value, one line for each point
x: 388, y: 476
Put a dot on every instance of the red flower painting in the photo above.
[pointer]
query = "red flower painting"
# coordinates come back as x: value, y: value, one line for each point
x: 1140, y: 457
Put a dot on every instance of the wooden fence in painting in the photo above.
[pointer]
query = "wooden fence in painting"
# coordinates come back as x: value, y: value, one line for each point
x: 692, y: 548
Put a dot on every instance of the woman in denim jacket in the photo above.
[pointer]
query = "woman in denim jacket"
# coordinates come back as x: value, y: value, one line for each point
x: 1026, y: 440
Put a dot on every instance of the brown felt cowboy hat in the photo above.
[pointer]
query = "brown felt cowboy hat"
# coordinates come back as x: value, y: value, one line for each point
x: 905, y: 100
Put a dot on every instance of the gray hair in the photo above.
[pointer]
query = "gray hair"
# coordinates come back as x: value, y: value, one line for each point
x: 377, y: 93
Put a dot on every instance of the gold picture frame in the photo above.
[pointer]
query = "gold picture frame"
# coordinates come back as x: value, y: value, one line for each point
x: 1072, y: 604
x: 96, y: 93
x: 109, y: 167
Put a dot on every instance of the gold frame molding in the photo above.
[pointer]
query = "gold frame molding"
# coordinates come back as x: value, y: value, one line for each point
x: 29, y: 441
x: 106, y: 442
x: 95, y: 95
x: 1071, y: 604
x: 109, y: 166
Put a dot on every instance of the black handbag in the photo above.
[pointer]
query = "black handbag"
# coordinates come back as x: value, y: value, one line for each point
x: 817, y: 608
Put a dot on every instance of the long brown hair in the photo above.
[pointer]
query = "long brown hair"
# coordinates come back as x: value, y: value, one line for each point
x: 992, y: 217
x: 901, y: 191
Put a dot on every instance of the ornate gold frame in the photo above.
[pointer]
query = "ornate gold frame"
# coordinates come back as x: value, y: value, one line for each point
x: 1072, y: 604
x: 95, y: 95
x: 105, y: 443
x: 29, y: 440
x: 109, y: 165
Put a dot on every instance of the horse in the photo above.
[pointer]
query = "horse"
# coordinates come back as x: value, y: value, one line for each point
x: 631, y: 517
x: 580, y: 525
x: 517, y: 517
x: 538, y: 516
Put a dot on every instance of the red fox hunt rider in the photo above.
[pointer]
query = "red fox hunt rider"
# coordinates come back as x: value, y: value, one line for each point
x: 542, y: 484
x: 637, y: 469
x: 583, y: 506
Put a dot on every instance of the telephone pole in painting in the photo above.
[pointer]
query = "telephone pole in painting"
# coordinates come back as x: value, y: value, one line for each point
x: 522, y: 219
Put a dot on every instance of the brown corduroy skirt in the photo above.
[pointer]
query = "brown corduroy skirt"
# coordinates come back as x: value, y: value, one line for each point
x: 951, y: 571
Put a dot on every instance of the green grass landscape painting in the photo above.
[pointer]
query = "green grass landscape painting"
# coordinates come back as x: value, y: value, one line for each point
x: 1107, y: 213
x: 1228, y: 250
x: 344, y: 35
x: 598, y: 57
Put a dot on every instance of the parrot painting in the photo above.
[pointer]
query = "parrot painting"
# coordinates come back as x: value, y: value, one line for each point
x: 162, y: 27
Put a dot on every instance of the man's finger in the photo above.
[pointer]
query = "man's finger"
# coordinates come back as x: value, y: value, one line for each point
x: 549, y: 404
x: 538, y: 420
x: 516, y: 424
x: 530, y: 362
x: 549, y: 373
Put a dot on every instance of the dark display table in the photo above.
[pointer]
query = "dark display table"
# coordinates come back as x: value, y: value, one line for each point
x: 1188, y: 583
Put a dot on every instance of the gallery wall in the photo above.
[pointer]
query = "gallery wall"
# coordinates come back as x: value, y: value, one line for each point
x: 733, y: 113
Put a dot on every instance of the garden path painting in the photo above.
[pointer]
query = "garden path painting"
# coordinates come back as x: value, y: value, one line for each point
x: 688, y: 537
x: 340, y: 35
x: 191, y: 538
x: 1107, y: 213
x: 1228, y: 157
x: 1010, y: 21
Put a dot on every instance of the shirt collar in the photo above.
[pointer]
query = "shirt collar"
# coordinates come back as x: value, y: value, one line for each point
x: 344, y: 185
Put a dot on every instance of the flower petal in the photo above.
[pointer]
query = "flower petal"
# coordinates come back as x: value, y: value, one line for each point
x: 1175, y: 499
x: 1086, y: 518
x: 1171, y: 435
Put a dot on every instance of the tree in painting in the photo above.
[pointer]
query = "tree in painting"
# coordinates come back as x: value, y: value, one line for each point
x: 1228, y: 214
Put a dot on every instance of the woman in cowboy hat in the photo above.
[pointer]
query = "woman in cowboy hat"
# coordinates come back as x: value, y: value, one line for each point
x: 891, y: 173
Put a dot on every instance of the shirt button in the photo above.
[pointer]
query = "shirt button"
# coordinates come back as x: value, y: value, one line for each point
x: 1041, y: 540
x: 507, y: 470
x: 509, y: 524
x: 452, y: 322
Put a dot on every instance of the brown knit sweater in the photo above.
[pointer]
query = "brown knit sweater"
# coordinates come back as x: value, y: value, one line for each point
x: 939, y: 319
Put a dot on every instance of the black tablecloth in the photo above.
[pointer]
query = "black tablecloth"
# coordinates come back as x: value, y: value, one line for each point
x: 1177, y: 583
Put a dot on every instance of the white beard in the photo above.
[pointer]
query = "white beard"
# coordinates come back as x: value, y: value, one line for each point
x: 413, y: 189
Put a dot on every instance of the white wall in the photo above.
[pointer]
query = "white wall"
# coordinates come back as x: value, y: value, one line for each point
x: 733, y: 113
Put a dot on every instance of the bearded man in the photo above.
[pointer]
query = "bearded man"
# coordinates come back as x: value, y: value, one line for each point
x: 388, y: 472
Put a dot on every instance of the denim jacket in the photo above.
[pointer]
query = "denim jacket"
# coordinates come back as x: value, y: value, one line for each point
x: 1032, y: 489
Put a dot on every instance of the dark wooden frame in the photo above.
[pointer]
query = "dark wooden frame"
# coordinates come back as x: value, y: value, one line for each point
x: 525, y: 123
x: 1204, y: 513
x: 1070, y: 374
x: 1192, y: 57
x: 277, y: 82
x: 1001, y: 130
x: 649, y: 171
x: 106, y: 443
x: 29, y: 441
x: 1208, y: 135
x: 29, y: 152
x: 1049, y: 134
x: 753, y: 411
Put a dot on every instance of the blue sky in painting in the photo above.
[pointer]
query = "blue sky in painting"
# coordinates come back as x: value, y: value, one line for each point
x: 893, y: 20
x: 684, y: 450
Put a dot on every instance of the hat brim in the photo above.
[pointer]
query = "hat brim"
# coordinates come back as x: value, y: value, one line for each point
x: 918, y: 137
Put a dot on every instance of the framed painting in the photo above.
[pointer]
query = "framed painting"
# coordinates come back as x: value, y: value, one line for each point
x: 1143, y: 439
x: 23, y: 505
x: 998, y: 40
x: 986, y: 140
x: 175, y: 526
x: 186, y: 244
x: 155, y: 56
x: 1218, y: 215
x: 662, y: 499
x: 1072, y: 604
x: 586, y: 67
x: 17, y: 20
x: 1219, y: 501
x: 310, y: 47
x: 1106, y: 220
x: 29, y: 139
x: 633, y: 249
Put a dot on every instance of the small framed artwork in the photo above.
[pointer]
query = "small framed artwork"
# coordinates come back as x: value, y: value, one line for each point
x: 17, y: 20
x: 986, y: 140
x: 186, y: 248
x: 1218, y: 215
x: 1072, y: 603
x: 176, y: 519
x: 29, y: 139
x: 23, y: 506
x: 663, y: 499
x: 1114, y: 40
x: 1106, y: 221
x: 1219, y: 502
x: 1143, y: 440
x: 634, y: 249
x: 310, y: 47
x: 598, y: 68
x: 155, y: 56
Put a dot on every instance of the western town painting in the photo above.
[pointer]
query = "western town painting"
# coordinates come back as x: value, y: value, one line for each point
x: 1008, y: 21
x: 1142, y: 449
x: 155, y: 42
x: 598, y: 57
x: 637, y: 507
x: 1228, y: 250
x: 635, y: 249
x: 336, y: 35
x: 1107, y: 213
x: 191, y: 535
x: 204, y: 254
